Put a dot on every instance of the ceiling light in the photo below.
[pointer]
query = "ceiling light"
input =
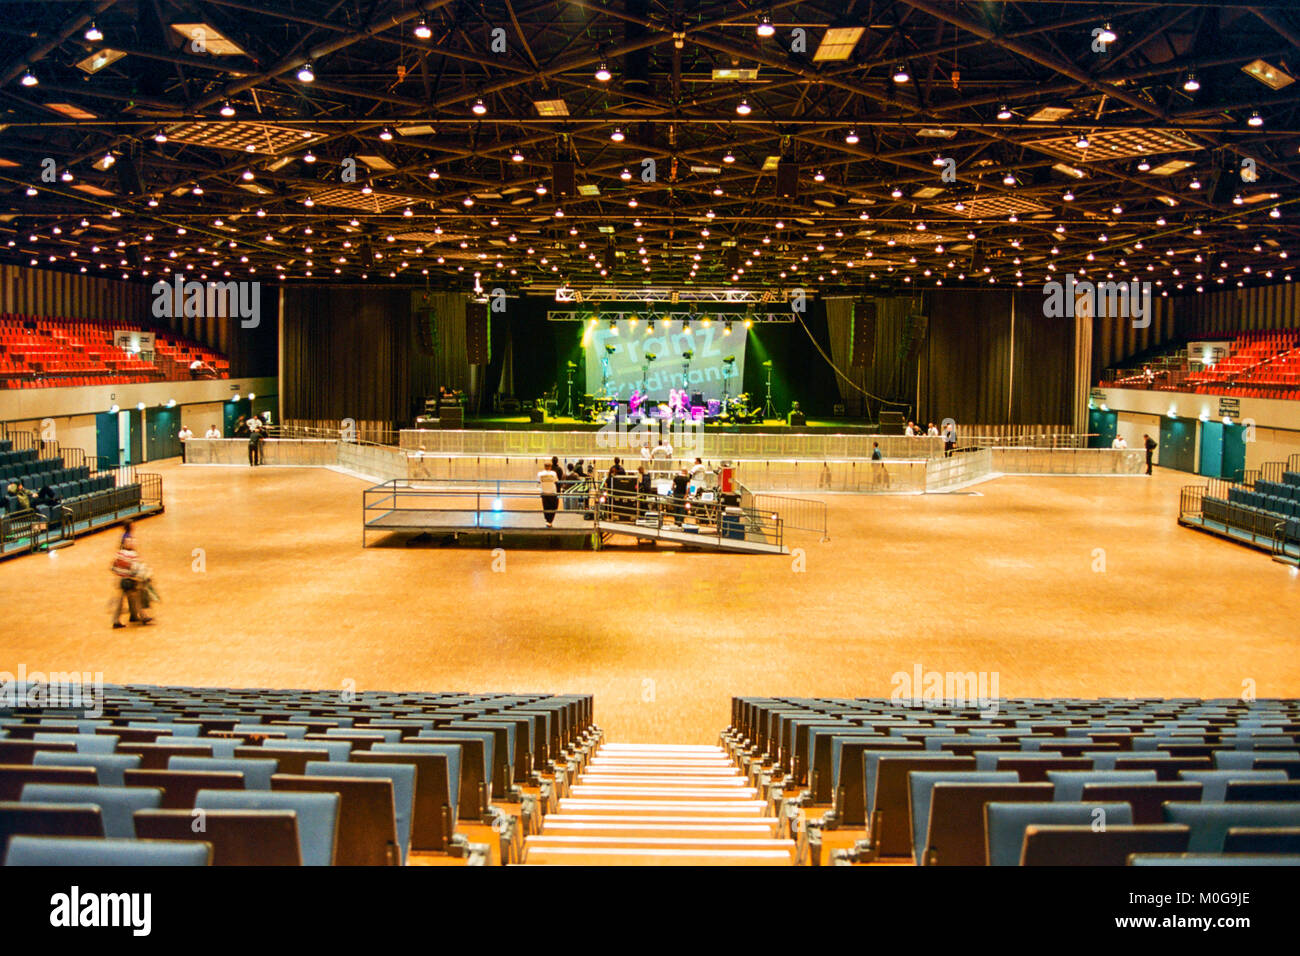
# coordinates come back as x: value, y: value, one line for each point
x: 1082, y: 141
x: 743, y: 108
x: 1107, y: 35
x: 1255, y: 119
x: 1069, y: 195
x: 1191, y: 84
x: 386, y: 134
x: 617, y: 136
x: 1004, y: 112
x: 1195, y: 184
x: 625, y: 175
x: 29, y: 78
x: 602, y: 73
x: 819, y: 176
x: 896, y: 193
x: 433, y: 174
x: 851, y: 137
x: 247, y: 175
x: 92, y: 33
x: 1009, y: 179
x: 422, y: 30
x: 1143, y: 165
x: 309, y: 157
x: 478, y: 108
x: 765, y: 28
x: 516, y: 156
x: 108, y: 160
x: 227, y: 109
x: 160, y: 137
x: 305, y: 73
x: 1275, y: 213
x: 900, y: 74
x: 729, y: 158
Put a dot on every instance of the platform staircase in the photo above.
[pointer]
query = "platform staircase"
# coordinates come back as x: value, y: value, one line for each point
x: 659, y: 805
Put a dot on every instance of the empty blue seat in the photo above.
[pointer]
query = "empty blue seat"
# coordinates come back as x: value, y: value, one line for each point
x: 1214, y: 783
x: 108, y: 767
x: 1005, y: 823
x: 921, y: 783
x: 317, y: 815
x: 1106, y: 759
x: 1210, y: 822
x: 289, y: 732
x: 402, y: 776
x: 222, y: 747
x: 1069, y: 783
x: 257, y: 771
x: 1246, y: 759
x: 117, y: 805
x: 1212, y: 859
x: 337, y: 750
x: 172, y: 729
x: 77, y: 851
x: 391, y: 735
x: 450, y: 751
x: 85, y: 743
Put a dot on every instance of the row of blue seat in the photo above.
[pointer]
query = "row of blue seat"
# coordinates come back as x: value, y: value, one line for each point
x: 1283, y: 507
x: 1279, y: 489
x: 1259, y: 522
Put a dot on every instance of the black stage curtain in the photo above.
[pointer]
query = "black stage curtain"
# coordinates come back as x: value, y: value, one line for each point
x: 976, y: 367
x: 348, y: 354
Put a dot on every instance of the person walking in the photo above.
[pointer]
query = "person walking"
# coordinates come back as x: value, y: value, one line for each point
x: 133, y: 580
x: 1150, y: 444
x: 184, y: 435
x: 879, y: 474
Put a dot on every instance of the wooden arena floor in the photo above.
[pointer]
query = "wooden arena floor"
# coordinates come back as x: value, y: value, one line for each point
x: 1066, y: 586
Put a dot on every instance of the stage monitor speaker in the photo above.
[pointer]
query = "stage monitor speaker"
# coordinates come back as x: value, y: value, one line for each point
x: 864, y: 333
x: 537, y: 416
x: 477, y: 347
x: 563, y: 179
x: 892, y: 423
x: 787, y: 179
x: 798, y: 418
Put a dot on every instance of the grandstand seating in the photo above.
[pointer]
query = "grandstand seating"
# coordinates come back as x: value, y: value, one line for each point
x: 391, y: 785
x: 48, y: 351
x: 1268, y: 509
x: 939, y: 786
x: 1259, y: 364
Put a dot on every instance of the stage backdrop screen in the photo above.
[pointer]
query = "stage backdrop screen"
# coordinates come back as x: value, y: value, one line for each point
x: 619, y: 361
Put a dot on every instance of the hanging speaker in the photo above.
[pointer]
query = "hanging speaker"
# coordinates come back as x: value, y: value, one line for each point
x: 864, y: 333
x: 477, y: 349
x: 611, y: 258
x: 918, y: 330
x: 128, y: 176
x: 426, y: 330
x: 787, y: 179
x: 563, y: 176
x: 732, y: 258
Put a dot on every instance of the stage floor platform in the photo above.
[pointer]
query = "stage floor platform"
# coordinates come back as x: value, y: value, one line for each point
x: 567, y: 525
x: 837, y: 426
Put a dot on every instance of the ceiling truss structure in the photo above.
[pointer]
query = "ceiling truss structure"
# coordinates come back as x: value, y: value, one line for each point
x: 861, y: 146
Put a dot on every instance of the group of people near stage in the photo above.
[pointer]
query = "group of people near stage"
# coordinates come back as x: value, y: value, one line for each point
x: 655, y: 476
x: 949, y: 435
x: 252, y: 427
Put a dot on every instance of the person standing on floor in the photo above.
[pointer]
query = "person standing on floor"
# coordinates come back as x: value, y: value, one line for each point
x: 254, y: 440
x: 879, y: 474
x: 549, y: 480
x: 184, y: 435
x: 213, y: 432
x: 1150, y: 444
x: 949, y: 439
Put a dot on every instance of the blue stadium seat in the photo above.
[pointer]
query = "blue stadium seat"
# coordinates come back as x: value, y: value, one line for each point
x: 921, y: 784
x: 317, y: 815
x: 85, y: 743
x: 257, y: 772
x: 337, y: 750
x: 108, y: 767
x: 1069, y: 783
x: 1214, y: 783
x: 221, y: 747
x: 1211, y: 859
x: 1005, y: 823
x: 403, y: 779
x: 116, y: 804
x: 77, y: 851
x: 1210, y: 822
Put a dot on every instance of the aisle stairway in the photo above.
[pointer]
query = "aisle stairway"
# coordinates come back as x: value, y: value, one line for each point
x: 656, y: 805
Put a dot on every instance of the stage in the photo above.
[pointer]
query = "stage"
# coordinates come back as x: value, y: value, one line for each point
x: 836, y: 426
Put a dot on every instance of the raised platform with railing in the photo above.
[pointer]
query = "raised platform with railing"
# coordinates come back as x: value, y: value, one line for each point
x: 1262, y: 511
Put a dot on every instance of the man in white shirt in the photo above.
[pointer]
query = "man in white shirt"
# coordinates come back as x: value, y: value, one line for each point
x: 662, y: 454
x: 910, y: 432
x: 550, y: 483
x: 213, y: 432
x: 932, y: 431
x: 184, y: 435
x: 1119, y: 442
x: 645, y: 456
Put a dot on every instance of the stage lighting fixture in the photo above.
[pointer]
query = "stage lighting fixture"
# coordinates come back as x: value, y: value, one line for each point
x: 729, y: 360
x: 650, y: 327
x: 686, y: 324
x: 305, y: 73
x: 749, y: 323
x: 610, y: 349
x: 726, y: 328
x: 650, y: 356
x: 613, y: 327
x: 227, y: 109
x: 767, y: 364
x: 386, y: 134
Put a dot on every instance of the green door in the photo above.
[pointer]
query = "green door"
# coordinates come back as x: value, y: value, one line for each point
x: 1212, y: 449
x: 1177, y: 444
x: 1101, y: 426
x: 1234, y: 452
x: 162, y: 433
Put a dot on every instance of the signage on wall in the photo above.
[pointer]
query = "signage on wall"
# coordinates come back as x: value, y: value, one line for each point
x: 1230, y: 408
x: 1097, y: 394
x: 137, y: 343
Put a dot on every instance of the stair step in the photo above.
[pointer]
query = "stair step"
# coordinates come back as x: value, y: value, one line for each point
x: 585, y: 856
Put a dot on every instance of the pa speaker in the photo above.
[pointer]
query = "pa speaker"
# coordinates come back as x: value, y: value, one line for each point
x: 128, y: 176
x: 798, y: 418
x: 918, y: 325
x: 864, y: 333
x: 611, y: 257
x: 563, y: 179
x: 426, y: 331
x: 787, y: 180
x: 477, y: 348
x: 731, y: 257
x: 537, y: 416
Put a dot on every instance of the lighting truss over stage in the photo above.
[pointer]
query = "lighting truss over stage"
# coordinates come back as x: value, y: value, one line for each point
x: 628, y: 294
x: 605, y: 315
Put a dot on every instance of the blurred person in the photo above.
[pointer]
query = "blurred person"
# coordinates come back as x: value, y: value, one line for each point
x: 184, y: 435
